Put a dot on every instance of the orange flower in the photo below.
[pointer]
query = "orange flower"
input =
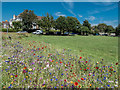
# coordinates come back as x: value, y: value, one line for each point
x: 56, y: 62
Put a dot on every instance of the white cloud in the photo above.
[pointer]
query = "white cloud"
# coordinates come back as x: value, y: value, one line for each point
x: 70, y: 3
x: 114, y: 23
x: 91, y: 18
x: 68, y: 9
x: 80, y: 15
x: 59, y: 14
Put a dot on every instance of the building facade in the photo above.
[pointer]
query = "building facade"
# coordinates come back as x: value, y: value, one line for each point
x: 5, y: 24
x: 15, y: 18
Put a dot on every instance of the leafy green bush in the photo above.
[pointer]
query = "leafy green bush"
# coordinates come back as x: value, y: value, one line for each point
x: 10, y: 30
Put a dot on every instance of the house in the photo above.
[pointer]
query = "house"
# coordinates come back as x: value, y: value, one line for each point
x: 17, y: 18
x: 5, y: 24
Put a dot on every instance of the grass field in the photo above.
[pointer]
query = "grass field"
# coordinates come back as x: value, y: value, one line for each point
x: 31, y: 61
x: 96, y: 47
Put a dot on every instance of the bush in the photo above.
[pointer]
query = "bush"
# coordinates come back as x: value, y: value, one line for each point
x: 10, y: 30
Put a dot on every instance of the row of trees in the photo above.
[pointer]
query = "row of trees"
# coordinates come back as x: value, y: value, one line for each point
x: 64, y: 24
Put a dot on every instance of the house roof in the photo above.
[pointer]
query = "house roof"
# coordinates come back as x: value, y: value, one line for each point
x: 39, y: 17
x: 5, y: 22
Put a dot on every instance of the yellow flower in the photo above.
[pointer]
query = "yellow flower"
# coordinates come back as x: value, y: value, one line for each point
x: 25, y: 63
x: 11, y: 76
x: 90, y: 85
x: 30, y: 69
x: 71, y: 82
x: 26, y: 76
x: 44, y: 86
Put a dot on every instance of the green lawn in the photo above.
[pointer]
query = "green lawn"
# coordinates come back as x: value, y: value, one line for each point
x: 96, y: 47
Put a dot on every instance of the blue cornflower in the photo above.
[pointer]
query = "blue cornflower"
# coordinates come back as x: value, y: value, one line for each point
x: 108, y: 85
x: 50, y: 73
x: 51, y: 79
x: 62, y: 74
x: 56, y: 79
x: 114, y: 71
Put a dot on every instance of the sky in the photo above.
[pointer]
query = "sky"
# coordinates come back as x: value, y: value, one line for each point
x: 94, y: 12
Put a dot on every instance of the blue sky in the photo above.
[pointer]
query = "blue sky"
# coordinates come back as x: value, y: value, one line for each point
x: 94, y: 12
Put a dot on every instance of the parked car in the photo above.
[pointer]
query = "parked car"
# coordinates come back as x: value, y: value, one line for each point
x: 22, y: 32
x: 38, y: 32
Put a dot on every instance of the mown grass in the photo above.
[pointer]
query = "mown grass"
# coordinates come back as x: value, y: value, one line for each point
x: 96, y: 47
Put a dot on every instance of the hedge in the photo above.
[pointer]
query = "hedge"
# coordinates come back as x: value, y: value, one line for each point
x: 9, y: 30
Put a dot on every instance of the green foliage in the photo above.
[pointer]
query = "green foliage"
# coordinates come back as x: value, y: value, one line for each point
x: 17, y: 25
x: 84, y: 30
x: 46, y: 22
x: 87, y: 24
x: 61, y: 24
x: 10, y: 30
x: 117, y: 30
x: 102, y: 27
x: 28, y: 18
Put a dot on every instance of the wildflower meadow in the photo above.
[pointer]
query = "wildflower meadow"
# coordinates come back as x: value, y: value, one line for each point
x: 36, y: 64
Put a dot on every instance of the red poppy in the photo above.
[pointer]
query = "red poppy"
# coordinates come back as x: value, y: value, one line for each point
x: 116, y: 63
x: 75, y: 83
x: 39, y: 48
x: 80, y: 57
x: 34, y: 46
x: 60, y: 62
x: 79, y: 86
x: 66, y: 64
x: 25, y: 67
x: 15, y: 75
x: 85, y: 69
x: 72, y: 65
x: 42, y: 47
x: 82, y: 78
x: 45, y: 46
x: 78, y: 80
x: 37, y: 59
x: 89, y: 74
x: 65, y: 80
x: 34, y: 54
x: 97, y: 67
x: 73, y: 73
x: 86, y: 61
x: 111, y: 69
x: 80, y: 68
x: 71, y: 68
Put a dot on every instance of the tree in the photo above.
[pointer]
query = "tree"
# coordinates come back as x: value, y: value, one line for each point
x: 17, y: 25
x: 61, y: 23
x: 28, y: 18
x: 110, y: 29
x: 102, y: 27
x: 46, y: 22
x: 84, y: 30
x: 117, y: 30
x: 72, y: 24
x: 87, y: 24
